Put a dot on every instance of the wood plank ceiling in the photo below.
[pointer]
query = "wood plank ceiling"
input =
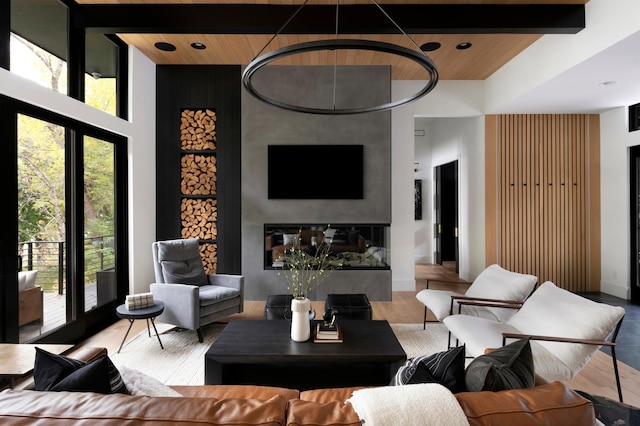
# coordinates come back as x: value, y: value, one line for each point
x: 490, y: 49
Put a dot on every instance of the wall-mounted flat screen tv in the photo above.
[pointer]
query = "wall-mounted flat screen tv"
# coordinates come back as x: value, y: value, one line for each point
x: 310, y: 172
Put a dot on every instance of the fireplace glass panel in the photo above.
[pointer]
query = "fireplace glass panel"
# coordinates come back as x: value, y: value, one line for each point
x: 354, y: 246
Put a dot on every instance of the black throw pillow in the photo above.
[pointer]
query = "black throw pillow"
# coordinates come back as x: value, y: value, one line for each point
x: 92, y: 377
x: 53, y: 372
x: 50, y: 368
x: 445, y: 368
x: 508, y: 367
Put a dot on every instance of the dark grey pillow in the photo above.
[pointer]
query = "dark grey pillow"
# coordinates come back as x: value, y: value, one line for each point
x: 181, y: 262
x: 188, y: 271
x: 508, y: 367
x: 445, y: 368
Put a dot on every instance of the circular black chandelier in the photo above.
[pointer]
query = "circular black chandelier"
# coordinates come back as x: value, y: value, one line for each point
x: 418, y: 57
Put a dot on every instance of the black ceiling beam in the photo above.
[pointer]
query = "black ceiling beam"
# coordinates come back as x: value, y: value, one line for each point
x: 320, y: 19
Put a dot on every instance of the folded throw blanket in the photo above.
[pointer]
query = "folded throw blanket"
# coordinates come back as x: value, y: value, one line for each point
x: 418, y: 404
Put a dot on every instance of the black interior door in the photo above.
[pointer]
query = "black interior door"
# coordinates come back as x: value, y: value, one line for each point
x: 446, y: 220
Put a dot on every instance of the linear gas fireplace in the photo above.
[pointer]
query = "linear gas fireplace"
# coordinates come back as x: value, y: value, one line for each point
x: 354, y: 246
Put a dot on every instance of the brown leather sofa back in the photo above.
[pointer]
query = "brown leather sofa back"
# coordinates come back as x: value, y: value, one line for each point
x: 550, y: 404
x: 21, y: 408
x: 236, y: 391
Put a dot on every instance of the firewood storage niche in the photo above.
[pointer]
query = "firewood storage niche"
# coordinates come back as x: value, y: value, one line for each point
x: 198, y: 186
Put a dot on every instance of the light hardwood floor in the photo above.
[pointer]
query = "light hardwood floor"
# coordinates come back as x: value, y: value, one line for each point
x: 596, y: 378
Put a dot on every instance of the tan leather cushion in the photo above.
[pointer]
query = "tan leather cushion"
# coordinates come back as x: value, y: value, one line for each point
x: 236, y: 391
x: 328, y: 395
x: 317, y: 414
x: 550, y: 404
x: 323, y: 407
x: 33, y: 408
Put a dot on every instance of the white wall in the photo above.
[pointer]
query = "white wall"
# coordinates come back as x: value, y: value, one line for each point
x: 142, y: 170
x: 615, y: 139
x: 423, y: 229
x: 448, y: 99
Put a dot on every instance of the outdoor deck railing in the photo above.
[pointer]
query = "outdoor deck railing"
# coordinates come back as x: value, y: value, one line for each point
x: 48, y: 258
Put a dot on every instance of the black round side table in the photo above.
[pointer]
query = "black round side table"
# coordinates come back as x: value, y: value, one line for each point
x: 149, y: 313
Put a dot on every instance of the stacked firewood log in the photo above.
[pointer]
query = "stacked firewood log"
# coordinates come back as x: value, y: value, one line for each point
x: 199, y: 218
x: 198, y: 130
x: 198, y: 174
x: 209, y: 253
x: 199, y: 178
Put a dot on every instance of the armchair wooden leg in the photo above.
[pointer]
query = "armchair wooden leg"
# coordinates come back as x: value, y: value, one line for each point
x: 200, y: 339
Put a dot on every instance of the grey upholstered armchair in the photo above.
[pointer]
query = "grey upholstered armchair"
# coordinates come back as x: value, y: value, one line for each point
x: 191, y: 297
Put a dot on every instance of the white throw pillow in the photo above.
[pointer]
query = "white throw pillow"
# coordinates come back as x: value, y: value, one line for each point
x: 138, y: 383
x: 26, y: 279
x: 328, y: 235
x: 290, y: 239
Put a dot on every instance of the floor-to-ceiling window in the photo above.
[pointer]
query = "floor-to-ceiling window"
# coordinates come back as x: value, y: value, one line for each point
x: 99, y: 223
x: 42, y: 237
x: 63, y: 181
x: 70, y: 219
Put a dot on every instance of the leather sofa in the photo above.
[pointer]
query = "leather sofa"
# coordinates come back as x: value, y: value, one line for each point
x: 547, y: 403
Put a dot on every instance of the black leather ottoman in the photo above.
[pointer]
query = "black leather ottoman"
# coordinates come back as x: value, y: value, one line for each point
x: 349, y: 306
x: 278, y: 306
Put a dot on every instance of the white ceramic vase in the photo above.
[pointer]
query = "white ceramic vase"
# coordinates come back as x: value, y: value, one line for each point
x: 300, y: 324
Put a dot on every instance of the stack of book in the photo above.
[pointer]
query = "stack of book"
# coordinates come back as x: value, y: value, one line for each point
x: 327, y: 334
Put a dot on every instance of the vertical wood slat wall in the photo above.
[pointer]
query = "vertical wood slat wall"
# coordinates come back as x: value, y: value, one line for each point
x: 543, y: 197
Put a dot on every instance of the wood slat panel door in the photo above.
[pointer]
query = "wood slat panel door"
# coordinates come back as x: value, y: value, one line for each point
x: 543, y: 197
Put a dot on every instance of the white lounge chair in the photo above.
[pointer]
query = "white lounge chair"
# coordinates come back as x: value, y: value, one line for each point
x: 566, y: 330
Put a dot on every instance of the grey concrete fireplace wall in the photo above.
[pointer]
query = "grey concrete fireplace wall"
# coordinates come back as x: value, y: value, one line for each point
x: 264, y: 125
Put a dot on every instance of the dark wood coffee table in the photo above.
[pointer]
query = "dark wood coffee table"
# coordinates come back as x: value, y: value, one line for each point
x: 261, y: 352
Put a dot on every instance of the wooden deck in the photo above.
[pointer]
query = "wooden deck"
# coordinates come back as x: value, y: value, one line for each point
x: 54, y: 313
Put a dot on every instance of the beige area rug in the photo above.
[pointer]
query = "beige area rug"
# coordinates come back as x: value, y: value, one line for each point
x: 182, y: 360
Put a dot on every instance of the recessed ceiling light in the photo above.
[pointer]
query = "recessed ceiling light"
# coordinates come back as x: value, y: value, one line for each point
x: 167, y: 47
x: 430, y: 46
x: 463, y: 46
x: 608, y: 83
x: 198, y: 46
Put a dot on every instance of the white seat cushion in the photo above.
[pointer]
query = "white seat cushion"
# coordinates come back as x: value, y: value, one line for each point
x: 476, y: 333
x: 439, y: 302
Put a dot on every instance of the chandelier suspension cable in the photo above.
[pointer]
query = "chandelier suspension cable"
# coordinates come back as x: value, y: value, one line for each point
x: 280, y: 30
x: 384, y: 12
